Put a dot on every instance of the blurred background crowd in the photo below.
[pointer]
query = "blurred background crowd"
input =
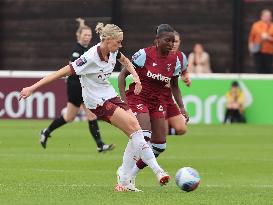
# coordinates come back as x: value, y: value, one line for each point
x: 217, y: 35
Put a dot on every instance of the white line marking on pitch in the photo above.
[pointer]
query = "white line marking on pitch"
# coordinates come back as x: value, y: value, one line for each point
x: 100, y: 185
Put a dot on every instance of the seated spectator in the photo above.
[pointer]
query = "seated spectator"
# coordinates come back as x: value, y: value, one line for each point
x: 235, y: 104
x: 199, y: 60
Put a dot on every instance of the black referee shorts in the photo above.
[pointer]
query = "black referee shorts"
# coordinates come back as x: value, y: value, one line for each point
x: 74, y: 92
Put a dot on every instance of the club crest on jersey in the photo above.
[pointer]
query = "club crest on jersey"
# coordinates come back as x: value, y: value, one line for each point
x: 169, y: 66
x: 160, y: 108
x: 81, y: 61
x: 104, y: 76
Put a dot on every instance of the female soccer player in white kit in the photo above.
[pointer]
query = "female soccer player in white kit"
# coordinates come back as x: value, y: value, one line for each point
x: 95, y: 67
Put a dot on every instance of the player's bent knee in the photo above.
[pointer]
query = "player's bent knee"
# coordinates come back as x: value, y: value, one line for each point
x: 181, y: 131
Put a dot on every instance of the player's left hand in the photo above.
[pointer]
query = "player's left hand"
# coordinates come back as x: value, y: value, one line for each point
x: 187, y: 82
x: 138, y: 86
x: 186, y: 79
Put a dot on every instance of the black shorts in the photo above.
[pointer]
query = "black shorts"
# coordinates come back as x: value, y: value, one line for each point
x: 74, y: 92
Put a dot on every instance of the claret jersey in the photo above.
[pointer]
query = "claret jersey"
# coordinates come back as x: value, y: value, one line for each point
x: 95, y: 72
x: 154, y: 71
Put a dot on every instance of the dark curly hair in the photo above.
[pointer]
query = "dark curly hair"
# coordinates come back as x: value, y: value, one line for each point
x: 162, y: 28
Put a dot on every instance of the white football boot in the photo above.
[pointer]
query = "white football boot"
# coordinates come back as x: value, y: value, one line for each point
x: 124, y: 183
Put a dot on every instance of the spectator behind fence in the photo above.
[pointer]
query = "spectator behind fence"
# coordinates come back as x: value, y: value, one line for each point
x: 235, y: 104
x: 260, y: 42
x: 199, y: 60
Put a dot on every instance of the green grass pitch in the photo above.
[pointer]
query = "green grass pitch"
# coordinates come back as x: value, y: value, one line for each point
x: 235, y: 163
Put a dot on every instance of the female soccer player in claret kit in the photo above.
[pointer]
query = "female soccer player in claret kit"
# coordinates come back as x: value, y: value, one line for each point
x: 157, y: 66
x: 95, y: 67
x: 74, y: 93
x: 176, y: 117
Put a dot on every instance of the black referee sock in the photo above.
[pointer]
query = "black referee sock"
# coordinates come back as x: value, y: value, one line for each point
x: 58, y: 122
x: 95, y: 132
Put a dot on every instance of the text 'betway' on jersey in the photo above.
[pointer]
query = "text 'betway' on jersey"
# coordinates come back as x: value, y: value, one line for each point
x: 158, y: 76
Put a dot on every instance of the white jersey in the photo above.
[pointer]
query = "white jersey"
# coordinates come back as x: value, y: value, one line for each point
x: 94, y: 72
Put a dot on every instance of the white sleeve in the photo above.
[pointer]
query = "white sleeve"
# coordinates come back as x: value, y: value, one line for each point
x: 181, y: 68
x: 80, y: 65
x: 185, y: 62
x: 139, y: 58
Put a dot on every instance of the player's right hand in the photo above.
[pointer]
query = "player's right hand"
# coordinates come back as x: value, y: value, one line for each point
x: 25, y: 92
x: 185, y: 114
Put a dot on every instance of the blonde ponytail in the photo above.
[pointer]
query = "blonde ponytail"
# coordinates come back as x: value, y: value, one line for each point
x: 110, y: 30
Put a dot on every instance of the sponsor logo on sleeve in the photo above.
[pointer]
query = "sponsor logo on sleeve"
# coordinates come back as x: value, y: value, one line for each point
x: 81, y: 61
x: 135, y: 56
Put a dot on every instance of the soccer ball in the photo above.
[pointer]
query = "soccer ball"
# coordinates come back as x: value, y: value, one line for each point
x: 187, y: 179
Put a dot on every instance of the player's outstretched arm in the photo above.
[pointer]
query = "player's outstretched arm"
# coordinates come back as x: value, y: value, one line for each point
x: 129, y: 66
x: 122, y: 83
x: 27, y: 91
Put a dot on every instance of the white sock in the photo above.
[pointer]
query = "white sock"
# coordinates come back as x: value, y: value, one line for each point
x: 144, y: 150
x: 129, y: 158
x: 134, y: 171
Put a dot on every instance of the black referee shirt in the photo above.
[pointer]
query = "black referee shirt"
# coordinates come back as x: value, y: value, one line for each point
x: 78, y: 50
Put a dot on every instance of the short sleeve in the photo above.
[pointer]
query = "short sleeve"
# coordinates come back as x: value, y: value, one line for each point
x: 185, y: 62
x: 181, y: 66
x: 139, y: 58
x: 80, y: 65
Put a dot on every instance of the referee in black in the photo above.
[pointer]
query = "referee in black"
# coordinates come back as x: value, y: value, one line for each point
x: 74, y: 93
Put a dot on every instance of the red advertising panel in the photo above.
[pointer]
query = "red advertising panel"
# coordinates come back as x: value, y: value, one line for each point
x: 47, y: 102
